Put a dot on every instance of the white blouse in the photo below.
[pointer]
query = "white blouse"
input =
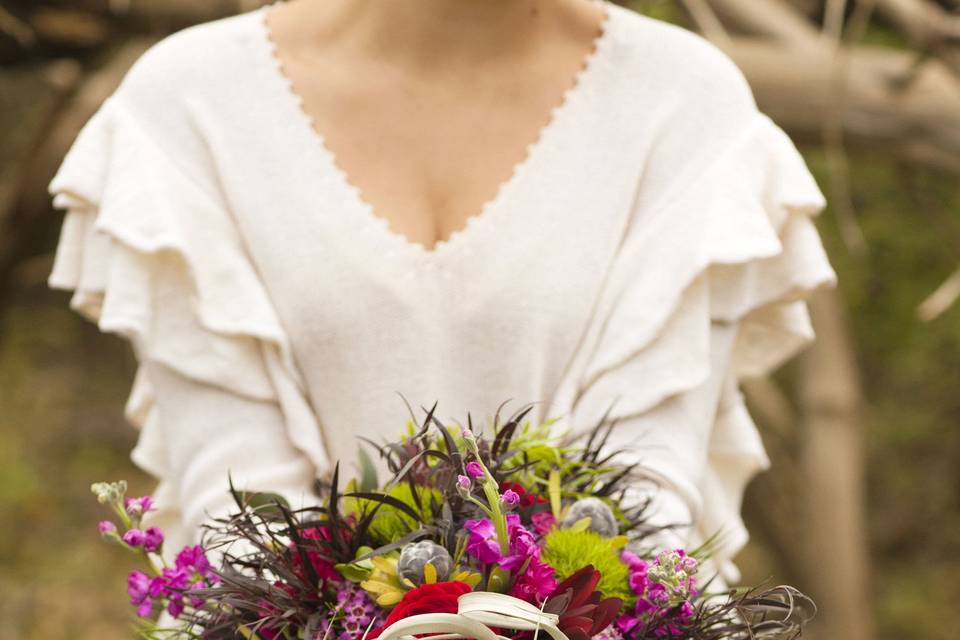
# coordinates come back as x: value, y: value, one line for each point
x: 654, y: 248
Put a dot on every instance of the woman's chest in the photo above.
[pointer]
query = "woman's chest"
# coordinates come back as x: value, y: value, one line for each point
x: 525, y: 271
x: 524, y: 275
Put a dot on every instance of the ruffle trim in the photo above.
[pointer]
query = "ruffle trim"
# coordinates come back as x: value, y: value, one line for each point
x: 140, y: 236
x: 739, y: 245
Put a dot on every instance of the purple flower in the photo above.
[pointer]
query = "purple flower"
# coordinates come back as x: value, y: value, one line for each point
x: 482, y: 544
x: 134, y: 537
x: 358, y: 611
x: 475, y: 469
x: 510, y: 498
x: 464, y: 482
x: 138, y: 506
x: 152, y: 539
x: 106, y: 527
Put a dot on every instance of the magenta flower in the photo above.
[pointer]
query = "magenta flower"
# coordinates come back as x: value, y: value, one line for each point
x: 475, y: 469
x: 523, y: 545
x: 633, y: 561
x: 657, y: 594
x: 626, y: 623
x: 464, y: 482
x: 543, y: 521
x: 638, y: 571
x: 134, y: 537
x: 536, y: 583
x: 510, y: 498
x: 106, y: 527
x: 482, y: 544
x: 138, y: 588
x: 152, y: 539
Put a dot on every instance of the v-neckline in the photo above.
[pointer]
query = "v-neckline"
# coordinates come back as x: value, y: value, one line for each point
x: 482, y: 220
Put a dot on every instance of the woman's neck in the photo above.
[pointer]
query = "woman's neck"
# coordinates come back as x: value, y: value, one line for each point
x: 436, y: 33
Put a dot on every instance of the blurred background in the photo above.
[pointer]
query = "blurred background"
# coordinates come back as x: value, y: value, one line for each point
x: 862, y: 507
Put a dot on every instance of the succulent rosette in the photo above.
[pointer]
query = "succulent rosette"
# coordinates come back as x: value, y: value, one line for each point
x: 520, y: 531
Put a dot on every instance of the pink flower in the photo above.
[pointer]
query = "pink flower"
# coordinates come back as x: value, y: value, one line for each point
x: 543, y: 521
x: 633, y: 561
x: 106, y: 527
x: 464, y: 482
x: 536, y: 583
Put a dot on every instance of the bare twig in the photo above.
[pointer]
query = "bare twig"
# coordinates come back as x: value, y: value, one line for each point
x: 833, y: 19
x: 707, y: 21
x: 16, y: 29
x: 945, y: 296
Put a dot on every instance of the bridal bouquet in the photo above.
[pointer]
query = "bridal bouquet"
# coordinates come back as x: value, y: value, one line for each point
x: 509, y: 535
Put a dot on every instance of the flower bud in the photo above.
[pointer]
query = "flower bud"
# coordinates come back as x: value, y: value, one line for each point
x: 109, y: 492
x: 152, y: 539
x: 475, y: 469
x: 134, y: 537
x: 138, y: 506
x: 510, y: 498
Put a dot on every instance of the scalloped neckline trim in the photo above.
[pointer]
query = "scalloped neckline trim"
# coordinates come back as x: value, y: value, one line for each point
x: 482, y: 221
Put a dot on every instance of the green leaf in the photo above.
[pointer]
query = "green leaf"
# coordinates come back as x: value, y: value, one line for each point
x: 368, y: 472
x: 264, y: 503
x: 353, y: 572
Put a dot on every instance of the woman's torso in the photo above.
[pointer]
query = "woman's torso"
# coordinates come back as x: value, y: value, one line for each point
x: 497, y: 311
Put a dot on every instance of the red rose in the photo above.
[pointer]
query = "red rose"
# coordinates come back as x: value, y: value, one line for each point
x: 440, y: 597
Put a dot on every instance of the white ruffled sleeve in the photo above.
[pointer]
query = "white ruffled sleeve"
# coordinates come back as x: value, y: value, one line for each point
x: 707, y: 289
x: 151, y: 252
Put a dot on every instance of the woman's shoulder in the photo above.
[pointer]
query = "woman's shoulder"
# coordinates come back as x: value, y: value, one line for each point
x: 204, y: 59
x: 679, y: 66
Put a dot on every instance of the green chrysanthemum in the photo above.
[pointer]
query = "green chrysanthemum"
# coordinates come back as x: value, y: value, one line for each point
x: 390, y: 523
x: 568, y: 550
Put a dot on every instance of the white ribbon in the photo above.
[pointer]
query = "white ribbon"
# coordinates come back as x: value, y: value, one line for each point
x: 477, y: 611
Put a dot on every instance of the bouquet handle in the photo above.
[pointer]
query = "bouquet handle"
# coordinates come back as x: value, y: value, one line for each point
x: 446, y: 625
x: 476, y: 610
